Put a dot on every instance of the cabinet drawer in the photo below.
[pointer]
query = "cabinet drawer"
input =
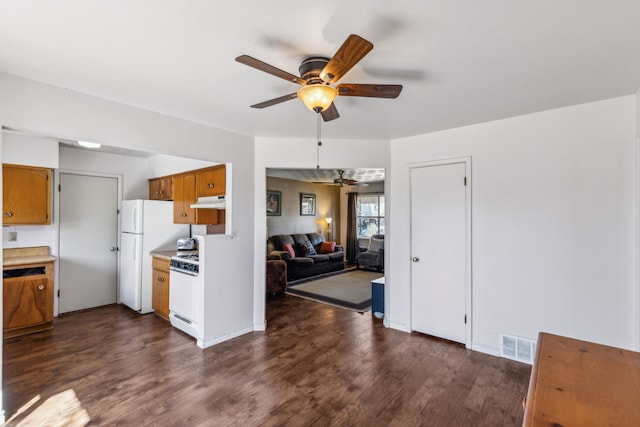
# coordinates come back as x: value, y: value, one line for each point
x: 160, y: 264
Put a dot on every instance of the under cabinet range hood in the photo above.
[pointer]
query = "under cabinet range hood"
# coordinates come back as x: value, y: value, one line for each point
x: 210, y: 202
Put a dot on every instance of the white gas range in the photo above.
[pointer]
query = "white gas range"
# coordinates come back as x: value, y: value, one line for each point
x: 185, y: 293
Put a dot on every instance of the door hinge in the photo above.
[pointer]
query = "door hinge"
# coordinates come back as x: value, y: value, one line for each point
x: 59, y: 188
x: 58, y: 293
x: 465, y: 319
x: 465, y: 180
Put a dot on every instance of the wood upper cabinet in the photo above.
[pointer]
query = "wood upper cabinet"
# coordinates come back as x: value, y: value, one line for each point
x: 26, y: 195
x: 160, y: 287
x: 184, y: 194
x: 28, y: 299
x: 161, y: 188
x: 211, y: 181
x: 186, y: 188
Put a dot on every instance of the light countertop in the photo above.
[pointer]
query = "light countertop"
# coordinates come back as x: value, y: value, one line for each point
x: 23, y: 256
x: 168, y: 254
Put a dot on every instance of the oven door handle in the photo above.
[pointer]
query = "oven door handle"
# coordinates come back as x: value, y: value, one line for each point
x: 189, y: 273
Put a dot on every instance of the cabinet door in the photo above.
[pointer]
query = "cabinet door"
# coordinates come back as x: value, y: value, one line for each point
x: 154, y: 189
x: 166, y: 187
x: 160, y: 293
x: 160, y: 188
x: 211, y: 182
x: 27, y: 302
x: 26, y: 195
x: 184, y: 188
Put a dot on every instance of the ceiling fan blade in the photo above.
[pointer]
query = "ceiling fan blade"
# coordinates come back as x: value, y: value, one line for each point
x: 275, y: 101
x: 330, y: 113
x: 371, y: 91
x: 352, y: 50
x: 263, y: 66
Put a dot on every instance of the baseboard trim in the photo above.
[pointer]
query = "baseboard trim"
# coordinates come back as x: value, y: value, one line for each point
x: 260, y: 327
x: 399, y: 326
x: 493, y: 351
x: 222, y: 338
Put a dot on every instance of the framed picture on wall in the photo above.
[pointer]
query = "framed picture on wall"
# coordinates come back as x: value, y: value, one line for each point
x: 274, y: 203
x: 307, y: 204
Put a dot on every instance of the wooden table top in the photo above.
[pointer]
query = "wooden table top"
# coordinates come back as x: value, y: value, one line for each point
x: 579, y: 383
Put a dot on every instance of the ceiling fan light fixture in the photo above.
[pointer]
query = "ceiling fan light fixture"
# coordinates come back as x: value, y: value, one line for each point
x: 317, y: 97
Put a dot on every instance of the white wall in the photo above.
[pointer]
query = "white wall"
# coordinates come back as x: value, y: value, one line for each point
x: 638, y: 112
x: 296, y: 153
x: 553, y: 222
x: 133, y: 170
x: 290, y: 221
x: 48, y: 110
x: 163, y: 165
x: 33, y: 151
x: 29, y: 150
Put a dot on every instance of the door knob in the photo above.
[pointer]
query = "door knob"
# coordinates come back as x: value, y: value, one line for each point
x: 415, y: 259
x: 113, y: 249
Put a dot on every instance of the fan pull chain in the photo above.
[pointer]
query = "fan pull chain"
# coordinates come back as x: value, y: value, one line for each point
x: 319, y: 144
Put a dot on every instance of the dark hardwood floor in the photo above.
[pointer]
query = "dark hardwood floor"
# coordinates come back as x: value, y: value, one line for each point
x: 315, y: 366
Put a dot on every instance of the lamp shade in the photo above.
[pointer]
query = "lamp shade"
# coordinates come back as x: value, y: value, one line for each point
x: 328, y: 219
x: 317, y: 97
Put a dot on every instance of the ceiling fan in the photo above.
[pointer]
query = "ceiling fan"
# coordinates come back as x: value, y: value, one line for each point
x: 317, y: 73
x: 341, y: 181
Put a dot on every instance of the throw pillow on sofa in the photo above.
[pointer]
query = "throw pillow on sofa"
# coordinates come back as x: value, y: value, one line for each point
x: 287, y: 247
x: 327, y: 247
x: 306, y: 248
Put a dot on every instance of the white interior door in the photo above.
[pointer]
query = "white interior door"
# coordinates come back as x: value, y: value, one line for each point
x: 439, y: 251
x: 88, y: 241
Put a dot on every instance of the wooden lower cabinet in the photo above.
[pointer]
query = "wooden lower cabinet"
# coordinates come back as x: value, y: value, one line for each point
x: 27, y: 299
x: 160, y: 292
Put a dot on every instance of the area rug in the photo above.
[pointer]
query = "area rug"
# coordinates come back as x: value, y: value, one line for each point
x: 350, y: 290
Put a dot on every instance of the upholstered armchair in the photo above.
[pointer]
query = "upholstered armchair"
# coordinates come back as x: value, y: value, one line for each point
x: 373, y: 255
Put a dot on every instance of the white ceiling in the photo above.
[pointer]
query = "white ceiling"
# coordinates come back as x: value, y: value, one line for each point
x: 461, y: 62
x: 329, y: 175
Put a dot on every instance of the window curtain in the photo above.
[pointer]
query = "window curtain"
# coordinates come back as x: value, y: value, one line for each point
x: 352, y: 235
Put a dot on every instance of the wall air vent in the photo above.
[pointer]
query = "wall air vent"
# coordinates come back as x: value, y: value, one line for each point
x: 517, y: 348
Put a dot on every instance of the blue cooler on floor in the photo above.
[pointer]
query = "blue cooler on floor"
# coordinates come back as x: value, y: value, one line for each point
x: 377, y: 297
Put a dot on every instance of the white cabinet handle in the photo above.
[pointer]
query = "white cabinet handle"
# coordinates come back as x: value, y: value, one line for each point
x: 40, y: 287
x: 8, y: 214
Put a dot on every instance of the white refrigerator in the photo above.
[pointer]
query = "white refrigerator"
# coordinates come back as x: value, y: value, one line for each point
x: 147, y: 225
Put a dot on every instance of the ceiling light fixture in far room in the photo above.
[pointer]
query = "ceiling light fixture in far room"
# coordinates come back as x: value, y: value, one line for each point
x: 317, y: 97
x: 88, y: 144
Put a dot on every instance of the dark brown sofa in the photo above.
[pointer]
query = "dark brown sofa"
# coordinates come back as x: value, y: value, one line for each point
x: 302, y: 265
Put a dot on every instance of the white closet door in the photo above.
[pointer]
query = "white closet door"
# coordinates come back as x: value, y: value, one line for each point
x: 88, y: 241
x: 438, y: 246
